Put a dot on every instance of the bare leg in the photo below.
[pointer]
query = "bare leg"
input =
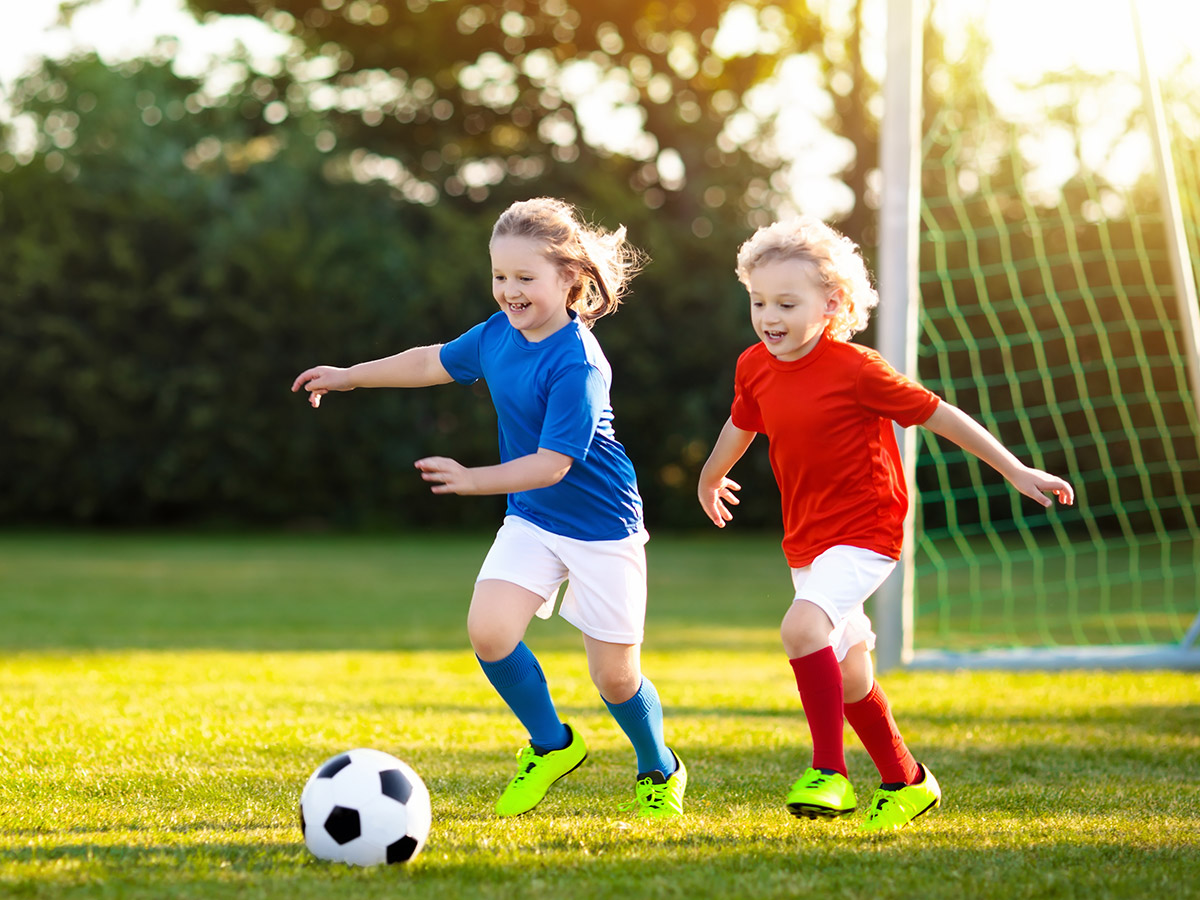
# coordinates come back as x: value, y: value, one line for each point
x: 805, y: 629
x: 858, y: 673
x: 805, y: 632
x: 500, y: 612
x: 615, y: 668
x: 633, y: 701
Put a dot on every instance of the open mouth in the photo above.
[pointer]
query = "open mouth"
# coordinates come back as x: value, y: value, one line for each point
x: 518, y: 307
x: 774, y: 335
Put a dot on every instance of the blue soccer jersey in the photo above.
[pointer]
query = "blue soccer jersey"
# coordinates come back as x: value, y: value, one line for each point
x: 553, y: 393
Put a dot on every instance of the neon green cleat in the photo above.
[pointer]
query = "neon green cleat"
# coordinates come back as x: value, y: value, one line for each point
x: 821, y: 794
x: 661, y: 796
x: 537, y: 770
x: 895, y: 809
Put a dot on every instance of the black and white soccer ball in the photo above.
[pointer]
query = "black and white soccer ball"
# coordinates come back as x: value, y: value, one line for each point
x: 365, y: 807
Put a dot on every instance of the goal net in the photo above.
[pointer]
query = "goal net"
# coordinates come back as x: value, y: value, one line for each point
x: 1049, y: 312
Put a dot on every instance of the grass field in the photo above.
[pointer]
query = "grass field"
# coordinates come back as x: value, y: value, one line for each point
x: 163, y: 699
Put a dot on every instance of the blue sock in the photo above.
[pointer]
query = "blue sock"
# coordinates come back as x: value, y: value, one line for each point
x: 519, y: 680
x: 641, y: 718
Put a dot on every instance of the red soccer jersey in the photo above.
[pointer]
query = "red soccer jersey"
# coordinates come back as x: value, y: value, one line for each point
x: 829, y: 418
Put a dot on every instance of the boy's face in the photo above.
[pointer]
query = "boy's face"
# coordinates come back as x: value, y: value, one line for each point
x: 789, y: 307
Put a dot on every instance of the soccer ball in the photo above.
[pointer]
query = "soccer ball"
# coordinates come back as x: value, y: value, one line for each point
x: 365, y: 807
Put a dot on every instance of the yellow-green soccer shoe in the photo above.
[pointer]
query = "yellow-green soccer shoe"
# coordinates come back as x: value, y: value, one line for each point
x: 821, y: 794
x: 660, y: 796
x: 536, y: 771
x: 895, y: 809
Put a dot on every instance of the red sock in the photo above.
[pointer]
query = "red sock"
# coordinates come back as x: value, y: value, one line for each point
x: 871, y: 719
x: 819, y: 679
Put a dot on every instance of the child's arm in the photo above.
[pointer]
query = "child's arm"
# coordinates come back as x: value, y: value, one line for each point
x: 715, y: 489
x: 953, y: 424
x: 525, y: 473
x: 418, y: 367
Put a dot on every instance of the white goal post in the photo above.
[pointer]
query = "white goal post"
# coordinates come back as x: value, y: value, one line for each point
x: 898, y: 333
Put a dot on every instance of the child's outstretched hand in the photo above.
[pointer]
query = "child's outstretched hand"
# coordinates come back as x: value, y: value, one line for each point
x: 319, y: 381
x: 449, y: 476
x: 1038, y: 484
x: 713, y: 500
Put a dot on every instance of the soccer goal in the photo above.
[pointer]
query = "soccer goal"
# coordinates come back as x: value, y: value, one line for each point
x: 1058, y: 307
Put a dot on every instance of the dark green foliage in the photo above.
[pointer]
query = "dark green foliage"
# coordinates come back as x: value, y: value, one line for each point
x: 169, y: 261
x: 164, y: 283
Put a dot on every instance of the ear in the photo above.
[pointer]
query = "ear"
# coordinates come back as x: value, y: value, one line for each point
x: 833, y: 303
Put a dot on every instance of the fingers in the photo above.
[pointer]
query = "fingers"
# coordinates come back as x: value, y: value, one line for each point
x: 307, y: 379
x: 1065, y: 494
x: 445, y: 472
x: 718, y: 513
x: 713, y: 501
x: 432, y: 468
x: 1045, y: 484
x: 1063, y: 491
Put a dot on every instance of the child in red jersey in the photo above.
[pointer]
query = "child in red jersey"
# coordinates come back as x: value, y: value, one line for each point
x: 827, y: 407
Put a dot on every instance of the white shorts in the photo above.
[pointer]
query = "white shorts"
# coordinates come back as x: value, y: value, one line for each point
x: 606, y: 593
x: 839, y: 581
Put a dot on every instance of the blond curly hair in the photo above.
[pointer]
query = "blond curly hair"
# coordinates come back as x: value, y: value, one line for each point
x: 601, y: 262
x: 835, y: 261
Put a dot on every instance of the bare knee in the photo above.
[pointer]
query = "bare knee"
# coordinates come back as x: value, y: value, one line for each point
x: 805, y: 629
x: 858, y: 673
x: 617, y: 686
x: 490, y: 645
x: 491, y: 638
x: 615, y: 668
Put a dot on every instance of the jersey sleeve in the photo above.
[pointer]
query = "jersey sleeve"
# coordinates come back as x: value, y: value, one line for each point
x: 885, y: 392
x: 577, y: 399
x: 461, y: 357
x: 745, y: 413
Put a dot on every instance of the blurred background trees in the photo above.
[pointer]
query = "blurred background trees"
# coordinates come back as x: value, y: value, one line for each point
x: 175, y: 249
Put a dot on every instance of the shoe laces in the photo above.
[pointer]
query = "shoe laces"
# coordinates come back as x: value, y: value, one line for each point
x: 817, y: 780
x: 527, y: 759
x: 880, y: 799
x: 648, y: 794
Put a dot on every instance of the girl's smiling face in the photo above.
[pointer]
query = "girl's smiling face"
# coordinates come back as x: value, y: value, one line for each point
x: 789, y: 307
x: 528, y: 287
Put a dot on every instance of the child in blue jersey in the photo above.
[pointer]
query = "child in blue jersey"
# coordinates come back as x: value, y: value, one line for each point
x: 574, y: 512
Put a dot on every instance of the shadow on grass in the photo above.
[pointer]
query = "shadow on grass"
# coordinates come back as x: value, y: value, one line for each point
x: 682, y: 864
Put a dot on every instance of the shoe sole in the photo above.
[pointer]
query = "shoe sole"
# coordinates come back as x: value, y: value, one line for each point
x: 543, y: 797
x: 811, y: 811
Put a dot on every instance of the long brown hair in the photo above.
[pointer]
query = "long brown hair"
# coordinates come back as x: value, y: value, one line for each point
x: 602, y: 262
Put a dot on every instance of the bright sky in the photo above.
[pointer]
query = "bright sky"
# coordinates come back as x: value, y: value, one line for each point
x: 1029, y: 37
x: 125, y: 29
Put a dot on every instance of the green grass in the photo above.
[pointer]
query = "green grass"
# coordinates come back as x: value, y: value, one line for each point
x: 1002, y: 592
x: 163, y: 699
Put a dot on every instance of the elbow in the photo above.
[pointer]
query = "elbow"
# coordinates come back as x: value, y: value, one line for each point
x: 557, y: 475
x: 550, y: 467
